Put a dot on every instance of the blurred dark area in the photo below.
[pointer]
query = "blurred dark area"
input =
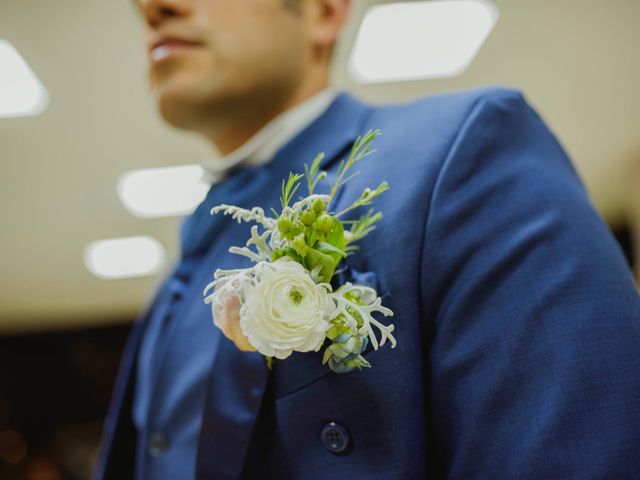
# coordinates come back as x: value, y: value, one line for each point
x: 624, y: 236
x: 54, y: 392
x: 55, y: 389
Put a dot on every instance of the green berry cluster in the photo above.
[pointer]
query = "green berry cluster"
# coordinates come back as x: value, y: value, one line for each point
x: 313, y: 237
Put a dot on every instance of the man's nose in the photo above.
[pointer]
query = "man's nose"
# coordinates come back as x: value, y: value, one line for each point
x: 157, y: 11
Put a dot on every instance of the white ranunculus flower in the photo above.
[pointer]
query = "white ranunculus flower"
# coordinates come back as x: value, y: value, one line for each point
x: 285, y: 310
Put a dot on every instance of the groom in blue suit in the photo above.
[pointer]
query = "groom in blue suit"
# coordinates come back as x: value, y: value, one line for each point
x: 517, y: 319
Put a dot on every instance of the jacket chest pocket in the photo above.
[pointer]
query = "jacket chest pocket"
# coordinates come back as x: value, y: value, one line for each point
x: 303, y: 369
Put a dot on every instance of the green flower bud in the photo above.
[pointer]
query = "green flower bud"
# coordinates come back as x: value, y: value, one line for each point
x: 353, y: 345
x: 333, y: 332
x: 318, y: 206
x: 308, y: 217
x: 293, y: 233
x: 284, y: 225
x: 299, y: 245
x: 338, y: 351
x: 324, y: 223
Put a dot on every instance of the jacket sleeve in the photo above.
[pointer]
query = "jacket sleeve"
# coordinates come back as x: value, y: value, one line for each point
x: 532, y: 315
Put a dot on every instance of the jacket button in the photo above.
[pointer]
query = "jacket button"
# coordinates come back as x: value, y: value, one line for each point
x: 335, y: 437
x: 157, y: 444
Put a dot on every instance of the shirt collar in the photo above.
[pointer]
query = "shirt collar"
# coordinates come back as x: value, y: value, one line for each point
x: 263, y: 145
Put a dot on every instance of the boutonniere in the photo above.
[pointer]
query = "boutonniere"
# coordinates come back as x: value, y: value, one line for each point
x: 285, y: 303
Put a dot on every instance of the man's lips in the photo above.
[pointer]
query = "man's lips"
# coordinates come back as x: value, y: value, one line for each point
x: 167, y: 45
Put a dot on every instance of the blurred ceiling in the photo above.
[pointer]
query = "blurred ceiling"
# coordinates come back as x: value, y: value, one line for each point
x: 576, y: 60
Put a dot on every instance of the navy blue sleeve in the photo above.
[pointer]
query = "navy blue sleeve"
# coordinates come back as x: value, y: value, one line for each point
x: 533, y: 318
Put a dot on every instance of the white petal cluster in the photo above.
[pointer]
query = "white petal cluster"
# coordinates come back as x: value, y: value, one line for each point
x: 284, y: 310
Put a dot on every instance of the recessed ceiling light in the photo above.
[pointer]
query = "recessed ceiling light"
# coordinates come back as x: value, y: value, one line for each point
x: 162, y: 192
x: 124, y: 257
x: 21, y: 93
x: 417, y: 40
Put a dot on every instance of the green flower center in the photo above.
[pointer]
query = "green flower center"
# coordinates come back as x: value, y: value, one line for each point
x: 295, y: 296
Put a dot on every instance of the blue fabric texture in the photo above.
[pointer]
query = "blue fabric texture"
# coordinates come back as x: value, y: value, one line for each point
x: 517, y: 320
x: 175, y: 355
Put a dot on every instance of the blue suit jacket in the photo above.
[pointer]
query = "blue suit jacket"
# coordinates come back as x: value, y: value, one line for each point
x: 517, y: 319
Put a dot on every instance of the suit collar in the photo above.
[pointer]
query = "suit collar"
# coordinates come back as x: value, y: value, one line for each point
x: 332, y: 133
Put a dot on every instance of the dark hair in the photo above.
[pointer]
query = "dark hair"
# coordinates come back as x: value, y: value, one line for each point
x: 293, y: 5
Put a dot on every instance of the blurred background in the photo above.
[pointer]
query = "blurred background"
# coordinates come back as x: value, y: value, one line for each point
x: 86, y: 158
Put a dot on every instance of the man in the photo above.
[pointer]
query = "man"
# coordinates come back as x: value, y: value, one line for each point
x: 517, y: 320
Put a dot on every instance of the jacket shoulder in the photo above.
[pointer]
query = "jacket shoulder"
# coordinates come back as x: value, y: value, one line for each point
x: 420, y: 132
x: 453, y: 106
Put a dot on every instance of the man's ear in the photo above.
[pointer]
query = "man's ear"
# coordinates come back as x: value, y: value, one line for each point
x: 324, y: 20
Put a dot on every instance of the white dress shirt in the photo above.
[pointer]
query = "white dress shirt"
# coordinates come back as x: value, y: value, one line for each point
x: 263, y: 145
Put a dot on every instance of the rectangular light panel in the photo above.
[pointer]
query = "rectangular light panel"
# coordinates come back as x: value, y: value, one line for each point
x: 21, y: 92
x: 124, y: 257
x: 161, y: 192
x: 419, y: 40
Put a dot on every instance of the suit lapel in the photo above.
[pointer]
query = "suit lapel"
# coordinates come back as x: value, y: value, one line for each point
x: 238, y: 379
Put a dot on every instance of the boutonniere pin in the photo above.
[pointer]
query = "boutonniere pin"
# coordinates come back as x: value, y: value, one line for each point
x: 285, y: 303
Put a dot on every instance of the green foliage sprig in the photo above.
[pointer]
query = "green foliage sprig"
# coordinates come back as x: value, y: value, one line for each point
x: 313, y: 234
x: 289, y: 188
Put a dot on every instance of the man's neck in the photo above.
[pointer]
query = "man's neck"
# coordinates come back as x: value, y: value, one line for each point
x: 233, y: 133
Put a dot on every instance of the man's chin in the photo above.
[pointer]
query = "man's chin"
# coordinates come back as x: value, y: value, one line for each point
x: 177, y: 106
x: 176, y: 117
x: 189, y: 106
